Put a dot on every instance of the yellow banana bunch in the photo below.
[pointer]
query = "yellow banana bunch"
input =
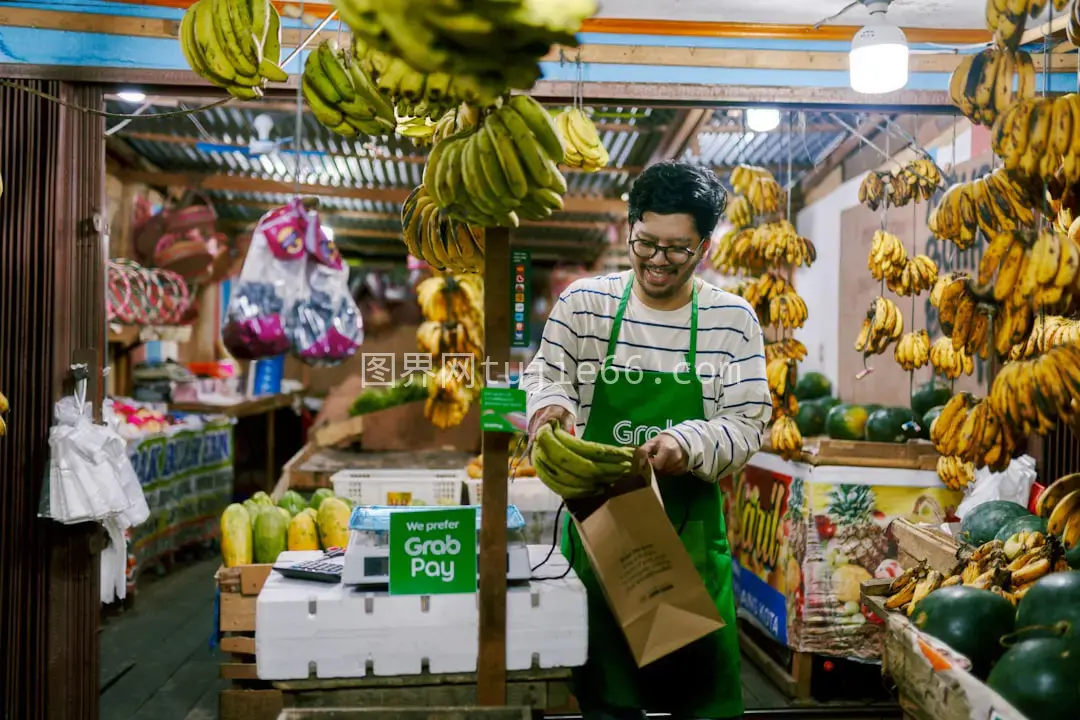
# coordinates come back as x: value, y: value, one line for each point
x: 342, y: 96
x: 778, y: 243
x: 418, y: 94
x: 235, y: 46
x: 766, y: 196
x: 913, y: 350
x: 901, y: 190
x: 424, y: 132
x: 982, y: 84
x: 584, y: 148
x: 954, y: 472
x: 763, y: 289
x: 4, y: 407
x: 1072, y: 30
x: 784, y: 405
x: 948, y: 361
x: 441, y: 242
x: 501, y: 42
x: 786, y: 309
x: 1007, y: 19
x: 1032, y: 395
x: 1038, y: 137
x: 443, y: 298
x: 1012, y: 329
x: 740, y: 212
x: 780, y: 374
x: 1059, y: 503
x: 1047, y: 277
x: 502, y: 171
x: 449, y: 397
x: 921, y: 178
x: 883, y: 324
x: 744, y: 175
x: 919, y: 274
x: 449, y: 338
x: 994, y: 203
x: 887, y: 256
x: 788, y: 348
x: 574, y: 468
x: 873, y: 189
x: 786, y: 438
x: 973, y: 432
x: 963, y: 317
x: 1046, y: 332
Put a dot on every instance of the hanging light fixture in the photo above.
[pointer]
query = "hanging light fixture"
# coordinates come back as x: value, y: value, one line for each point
x: 762, y: 120
x: 879, y: 53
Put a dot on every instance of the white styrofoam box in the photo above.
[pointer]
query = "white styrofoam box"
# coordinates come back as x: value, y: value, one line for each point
x: 307, y: 629
x: 538, y: 504
x: 378, y: 487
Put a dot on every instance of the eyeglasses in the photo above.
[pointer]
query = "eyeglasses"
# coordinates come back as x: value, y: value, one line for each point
x: 646, y: 250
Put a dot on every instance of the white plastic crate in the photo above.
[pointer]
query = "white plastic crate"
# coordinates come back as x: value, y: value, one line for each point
x: 399, y: 487
x: 529, y: 494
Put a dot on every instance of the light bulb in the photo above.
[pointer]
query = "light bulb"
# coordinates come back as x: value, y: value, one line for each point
x: 879, y: 58
x: 132, y: 96
x: 762, y: 119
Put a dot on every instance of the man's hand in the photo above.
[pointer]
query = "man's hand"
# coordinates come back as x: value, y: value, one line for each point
x: 666, y: 455
x: 545, y: 415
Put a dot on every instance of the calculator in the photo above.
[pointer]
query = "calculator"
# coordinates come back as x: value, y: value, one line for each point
x: 326, y: 569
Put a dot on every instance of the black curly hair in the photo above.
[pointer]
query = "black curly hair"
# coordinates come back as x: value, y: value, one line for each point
x: 674, y: 188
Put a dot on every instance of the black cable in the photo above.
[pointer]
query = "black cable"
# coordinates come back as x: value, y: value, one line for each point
x: 551, y: 550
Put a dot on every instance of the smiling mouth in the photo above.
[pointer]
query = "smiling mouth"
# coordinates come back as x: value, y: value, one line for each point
x: 658, y: 274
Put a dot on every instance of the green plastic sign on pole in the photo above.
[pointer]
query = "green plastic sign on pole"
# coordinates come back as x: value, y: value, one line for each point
x: 520, y: 298
x: 433, y: 552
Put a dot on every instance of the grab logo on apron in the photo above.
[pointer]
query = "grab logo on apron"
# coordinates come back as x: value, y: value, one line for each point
x: 626, y: 433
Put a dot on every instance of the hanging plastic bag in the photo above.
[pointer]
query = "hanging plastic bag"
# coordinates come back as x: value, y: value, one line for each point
x: 270, y: 281
x: 324, y: 325
x: 1012, y: 484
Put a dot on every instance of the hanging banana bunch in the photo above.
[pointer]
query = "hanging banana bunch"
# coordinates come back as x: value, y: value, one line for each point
x: 438, y: 240
x: 235, y: 46
x: 342, y: 96
x: 584, y: 148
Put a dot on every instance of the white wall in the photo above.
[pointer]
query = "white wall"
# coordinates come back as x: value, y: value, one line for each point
x: 819, y: 285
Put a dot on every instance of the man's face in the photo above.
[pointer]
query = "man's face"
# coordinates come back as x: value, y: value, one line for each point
x: 659, y: 276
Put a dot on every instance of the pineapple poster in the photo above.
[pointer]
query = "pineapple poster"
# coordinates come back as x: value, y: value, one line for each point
x: 805, y: 538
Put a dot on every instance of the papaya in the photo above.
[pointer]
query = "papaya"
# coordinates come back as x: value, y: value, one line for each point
x: 320, y: 495
x: 292, y: 501
x: 236, y: 537
x: 253, y: 509
x: 1040, y: 678
x: 333, y: 516
x: 284, y: 513
x: 310, y: 511
x: 303, y: 534
x: 261, y: 498
x: 983, y: 523
x: 270, y: 536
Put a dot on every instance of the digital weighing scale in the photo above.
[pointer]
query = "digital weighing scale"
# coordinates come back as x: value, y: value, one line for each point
x: 367, y: 556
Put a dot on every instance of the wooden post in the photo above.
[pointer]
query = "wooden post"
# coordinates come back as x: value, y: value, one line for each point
x: 491, y: 664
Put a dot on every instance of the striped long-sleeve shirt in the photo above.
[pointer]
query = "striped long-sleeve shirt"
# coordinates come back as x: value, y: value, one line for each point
x: 730, y: 363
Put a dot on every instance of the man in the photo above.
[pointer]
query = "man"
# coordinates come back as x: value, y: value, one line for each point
x: 615, y: 364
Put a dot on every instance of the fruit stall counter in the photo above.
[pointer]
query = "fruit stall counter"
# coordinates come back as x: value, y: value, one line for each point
x: 314, y: 466
x: 805, y: 537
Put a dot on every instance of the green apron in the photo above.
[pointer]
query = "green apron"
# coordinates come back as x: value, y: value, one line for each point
x: 702, y: 679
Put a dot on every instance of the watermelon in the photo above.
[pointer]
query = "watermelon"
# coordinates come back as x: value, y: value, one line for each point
x: 929, y: 395
x: 846, y: 422
x: 982, y: 524
x: 1020, y: 523
x: 270, y: 536
x: 1072, y: 557
x: 970, y: 621
x: 887, y: 425
x: 1040, y: 678
x: 1054, y: 599
x: 293, y: 502
x: 828, y: 403
x: 810, y: 419
x: 320, y: 495
x: 928, y: 419
x: 811, y: 386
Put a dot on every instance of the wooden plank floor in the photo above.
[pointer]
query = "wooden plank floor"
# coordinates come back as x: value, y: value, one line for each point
x: 157, y: 663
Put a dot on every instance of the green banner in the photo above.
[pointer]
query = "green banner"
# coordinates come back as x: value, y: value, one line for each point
x: 520, y: 297
x: 502, y: 409
x: 433, y: 552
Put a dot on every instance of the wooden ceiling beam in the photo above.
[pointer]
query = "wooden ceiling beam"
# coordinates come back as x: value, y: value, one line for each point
x: 682, y: 133
x: 239, y: 183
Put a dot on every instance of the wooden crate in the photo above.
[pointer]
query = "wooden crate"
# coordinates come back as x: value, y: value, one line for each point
x: 919, y: 543
x: 238, y: 594
x: 818, y: 451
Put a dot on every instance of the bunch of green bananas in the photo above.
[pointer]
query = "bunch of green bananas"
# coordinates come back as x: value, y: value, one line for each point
x: 584, y: 148
x: 342, y: 96
x: 503, y: 171
x: 441, y: 242
x: 423, y: 132
x: 1038, y: 137
x: 576, y: 468
x: 419, y: 94
x: 982, y: 84
x: 235, y: 46
x: 499, y: 42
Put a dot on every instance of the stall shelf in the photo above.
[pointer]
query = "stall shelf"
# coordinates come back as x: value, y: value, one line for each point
x: 805, y: 534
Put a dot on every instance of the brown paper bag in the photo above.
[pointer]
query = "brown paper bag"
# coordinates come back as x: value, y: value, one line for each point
x: 647, y: 576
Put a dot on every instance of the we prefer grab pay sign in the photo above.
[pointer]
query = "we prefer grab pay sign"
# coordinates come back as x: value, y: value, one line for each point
x: 433, y: 552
